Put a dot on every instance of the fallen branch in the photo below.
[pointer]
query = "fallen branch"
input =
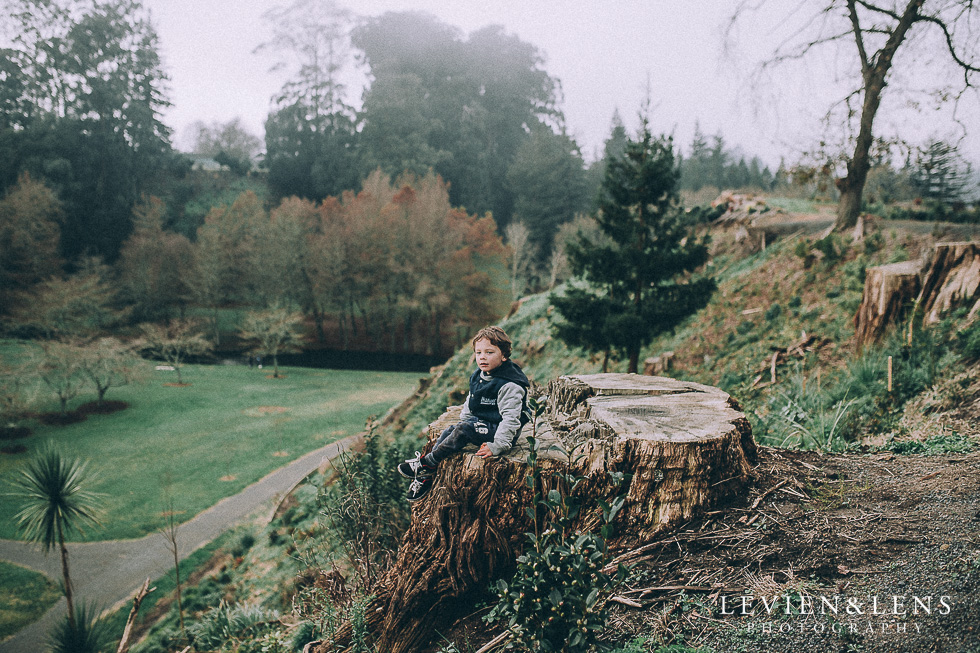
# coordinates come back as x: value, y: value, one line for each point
x: 495, y: 642
x: 625, y: 601
x: 755, y: 504
x: 670, y: 588
x: 137, y: 600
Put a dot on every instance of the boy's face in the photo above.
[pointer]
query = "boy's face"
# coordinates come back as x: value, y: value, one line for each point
x: 488, y: 355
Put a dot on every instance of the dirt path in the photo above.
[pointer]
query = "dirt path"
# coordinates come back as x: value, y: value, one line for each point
x: 107, y: 574
x: 882, y: 549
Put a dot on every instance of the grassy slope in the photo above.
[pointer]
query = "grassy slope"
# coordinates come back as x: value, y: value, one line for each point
x: 721, y: 346
x: 730, y: 342
x: 231, y: 426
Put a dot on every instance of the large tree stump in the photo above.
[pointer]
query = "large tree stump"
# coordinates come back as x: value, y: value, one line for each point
x: 686, y: 446
x: 889, y: 291
x: 950, y: 279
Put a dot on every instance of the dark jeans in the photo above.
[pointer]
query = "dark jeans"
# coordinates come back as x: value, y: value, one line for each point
x: 459, y: 435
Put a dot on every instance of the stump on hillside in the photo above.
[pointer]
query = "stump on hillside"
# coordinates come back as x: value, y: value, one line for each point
x: 889, y: 291
x: 950, y: 279
x: 687, y: 447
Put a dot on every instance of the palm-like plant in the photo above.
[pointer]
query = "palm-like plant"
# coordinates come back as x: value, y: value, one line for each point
x: 83, y: 632
x: 55, y: 503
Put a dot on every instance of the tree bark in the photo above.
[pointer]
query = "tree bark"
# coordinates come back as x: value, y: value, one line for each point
x: 687, y: 447
x: 950, y: 279
x: 69, y: 595
x: 889, y: 291
x: 874, y: 71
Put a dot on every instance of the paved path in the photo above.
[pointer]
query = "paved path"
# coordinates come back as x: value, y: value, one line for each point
x: 108, y: 574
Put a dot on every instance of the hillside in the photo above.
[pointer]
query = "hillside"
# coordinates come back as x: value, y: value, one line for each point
x: 882, y: 503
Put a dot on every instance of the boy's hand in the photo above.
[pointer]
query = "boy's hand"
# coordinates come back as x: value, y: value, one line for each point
x: 484, y: 451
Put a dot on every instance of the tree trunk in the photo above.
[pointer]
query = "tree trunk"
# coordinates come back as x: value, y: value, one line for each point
x: 950, y: 279
x: 686, y: 446
x: 889, y: 290
x: 874, y: 72
x: 69, y: 595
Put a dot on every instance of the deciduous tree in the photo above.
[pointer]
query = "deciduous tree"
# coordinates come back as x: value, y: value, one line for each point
x: 59, y: 365
x: 30, y: 238
x: 154, y: 265
x: 522, y: 254
x: 77, y: 306
x: 175, y: 341
x: 229, y: 143
x: 110, y: 363
x: 934, y: 43
x: 276, y: 330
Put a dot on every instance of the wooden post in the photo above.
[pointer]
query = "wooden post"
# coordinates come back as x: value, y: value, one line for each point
x: 772, y: 369
x: 889, y: 374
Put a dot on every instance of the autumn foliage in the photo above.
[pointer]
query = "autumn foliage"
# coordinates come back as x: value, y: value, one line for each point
x: 393, y: 267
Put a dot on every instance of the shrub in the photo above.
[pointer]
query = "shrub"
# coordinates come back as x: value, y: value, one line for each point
x: 89, y: 634
x: 227, y: 622
x: 365, y: 508
x: 968, y: 341
x: 556, y: 600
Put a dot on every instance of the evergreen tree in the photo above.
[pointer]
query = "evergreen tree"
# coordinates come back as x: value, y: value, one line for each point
x: 940, y: 173
x: 629, y: 291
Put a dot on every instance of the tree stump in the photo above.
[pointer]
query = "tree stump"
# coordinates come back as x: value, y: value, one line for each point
x: 687, y: 447
x: 889, y: 291
x: 950, y: 279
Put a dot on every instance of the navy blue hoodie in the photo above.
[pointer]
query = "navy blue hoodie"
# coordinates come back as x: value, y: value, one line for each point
x: 499, y: 399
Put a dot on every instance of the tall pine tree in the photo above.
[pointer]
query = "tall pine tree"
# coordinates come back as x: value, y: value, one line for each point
x: 635, y: 281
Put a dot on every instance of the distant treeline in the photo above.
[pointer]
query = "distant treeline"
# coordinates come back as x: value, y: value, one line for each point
x: 458, y: 137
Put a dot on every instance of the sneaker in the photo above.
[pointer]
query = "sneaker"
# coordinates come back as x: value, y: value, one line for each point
x: 414, y: 468
x: 419, y: 488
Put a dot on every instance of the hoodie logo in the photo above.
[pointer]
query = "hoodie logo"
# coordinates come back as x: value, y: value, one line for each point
x: 487, y: 401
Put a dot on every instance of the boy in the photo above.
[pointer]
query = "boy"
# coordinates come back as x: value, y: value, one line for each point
x: 492, y: 416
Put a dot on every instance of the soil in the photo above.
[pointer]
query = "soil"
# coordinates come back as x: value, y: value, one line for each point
x: 891, y: 542
x: 62, y: 419
x: 107, y: 407
x: 896, y: 535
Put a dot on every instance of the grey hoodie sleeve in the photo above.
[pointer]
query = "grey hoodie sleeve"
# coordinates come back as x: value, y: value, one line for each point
x: 465, y: 412
x: 510, y: 402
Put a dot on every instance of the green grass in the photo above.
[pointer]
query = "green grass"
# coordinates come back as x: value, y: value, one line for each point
x: 25, y: 595
x: 200, y: 443
x: 166, y: 585
x: 794, y: 205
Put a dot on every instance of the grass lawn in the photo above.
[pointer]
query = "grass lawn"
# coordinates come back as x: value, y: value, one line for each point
x: 199, y: 443
x: 25, y: 595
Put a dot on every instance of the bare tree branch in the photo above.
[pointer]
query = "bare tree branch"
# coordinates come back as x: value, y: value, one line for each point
x: 859, y: 39
x: 951, y: 48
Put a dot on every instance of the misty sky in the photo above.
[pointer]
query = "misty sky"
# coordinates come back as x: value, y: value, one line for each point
x: 604, y: 53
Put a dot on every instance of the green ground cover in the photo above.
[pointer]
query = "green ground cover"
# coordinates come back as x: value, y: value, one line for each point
x: 196, y: 444
x: 166, y: 587
x: 25, y: 595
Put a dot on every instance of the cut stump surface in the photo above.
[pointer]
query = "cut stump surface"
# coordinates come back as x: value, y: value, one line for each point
x: 686, y: 448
